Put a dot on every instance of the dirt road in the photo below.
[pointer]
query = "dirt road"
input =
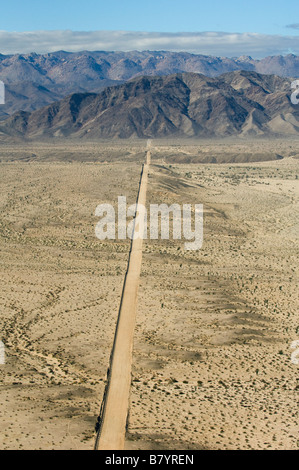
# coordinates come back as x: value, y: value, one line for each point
x: 111, y: 434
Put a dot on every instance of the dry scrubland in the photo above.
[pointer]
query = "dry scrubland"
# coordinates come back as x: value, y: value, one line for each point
x: 59, y: 296
x: 212, y: 350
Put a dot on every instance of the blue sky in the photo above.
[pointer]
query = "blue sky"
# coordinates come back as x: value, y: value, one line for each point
x: 262, y: 16
x: 276, y: 22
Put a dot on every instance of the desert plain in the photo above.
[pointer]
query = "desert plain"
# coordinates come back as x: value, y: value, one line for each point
x: 212, y: 352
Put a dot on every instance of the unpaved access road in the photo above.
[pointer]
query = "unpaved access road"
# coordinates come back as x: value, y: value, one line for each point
x: 111, y: 434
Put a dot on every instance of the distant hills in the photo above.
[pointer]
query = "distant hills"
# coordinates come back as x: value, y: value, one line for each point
x: 35, y: 80
x: 242, y: 103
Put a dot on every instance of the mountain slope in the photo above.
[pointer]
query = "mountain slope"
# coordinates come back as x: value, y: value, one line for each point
x: 181, y: 105
x: 62, y: 73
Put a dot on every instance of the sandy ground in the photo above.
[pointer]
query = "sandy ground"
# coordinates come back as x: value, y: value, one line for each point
x: 212, y: 353
x: 60, y: 289
x: 212, y: 347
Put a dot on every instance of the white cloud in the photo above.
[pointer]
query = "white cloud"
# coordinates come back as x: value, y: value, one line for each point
x: 209, y: 43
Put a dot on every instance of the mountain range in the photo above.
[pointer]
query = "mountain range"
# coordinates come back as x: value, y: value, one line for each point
x: 243, y: 103
x: 36, y: 80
